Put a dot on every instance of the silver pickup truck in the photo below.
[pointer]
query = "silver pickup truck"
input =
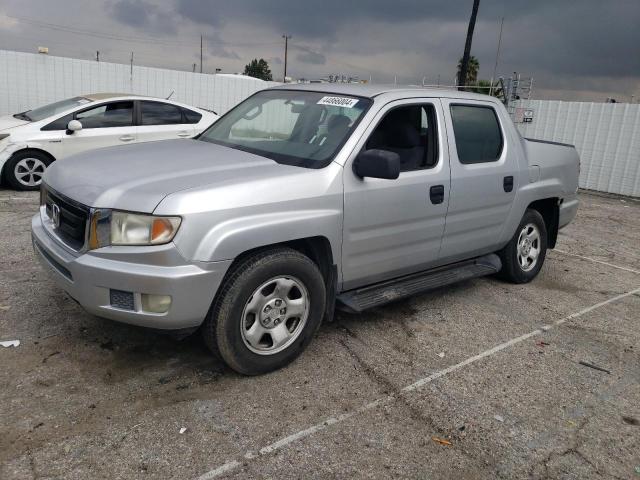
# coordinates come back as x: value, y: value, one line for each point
x: 297, y: 201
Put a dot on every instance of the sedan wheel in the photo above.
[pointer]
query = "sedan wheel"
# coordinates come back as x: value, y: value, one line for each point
x: 25, y: 169
x: 29, y: 171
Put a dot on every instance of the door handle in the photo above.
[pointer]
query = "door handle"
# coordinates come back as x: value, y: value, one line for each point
x: 127, y: 138
x: 184, y: 134
x: 436, y: 194
x: 507, y: 183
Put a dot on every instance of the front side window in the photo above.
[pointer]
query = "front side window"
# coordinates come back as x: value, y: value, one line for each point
x: 409, y: 131
x: 115, y: 114
x: 156, y: 113
x: 477, y: 133
x: 59, y: 124
x: 294, y: 127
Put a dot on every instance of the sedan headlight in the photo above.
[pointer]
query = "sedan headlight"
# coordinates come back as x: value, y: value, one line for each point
x: 139, y: 229
x: 3, y: 136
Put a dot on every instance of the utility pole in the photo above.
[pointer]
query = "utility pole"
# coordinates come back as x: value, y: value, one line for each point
x: 200, y: 53
x: 97, y: 56
x: 462, y: 79
x: 286, y: 44
x: 495, y: 66
x: 131, y: 68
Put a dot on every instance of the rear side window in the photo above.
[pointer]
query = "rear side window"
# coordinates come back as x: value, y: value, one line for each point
x: 477, y: 132
x: 156, y: 113
x: 115, y: 114
x: 191, y: 116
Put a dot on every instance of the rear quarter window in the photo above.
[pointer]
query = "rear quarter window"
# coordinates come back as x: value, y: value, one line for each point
x: 477, y: 133
x: 191, y: 116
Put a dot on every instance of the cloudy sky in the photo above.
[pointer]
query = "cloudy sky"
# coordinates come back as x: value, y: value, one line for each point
x: 574, y: 49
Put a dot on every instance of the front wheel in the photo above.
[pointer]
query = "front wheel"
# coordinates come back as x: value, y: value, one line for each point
x: 524, y: 255
x: 266, y: 312
x: 24, y: 170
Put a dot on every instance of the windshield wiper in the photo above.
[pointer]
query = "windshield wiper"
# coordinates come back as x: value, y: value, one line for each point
x: 23, y: 116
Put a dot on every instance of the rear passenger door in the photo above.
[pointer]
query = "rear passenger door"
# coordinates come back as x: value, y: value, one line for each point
x: 395, y: 227
x: 162, y: 121
x: 484, y: 178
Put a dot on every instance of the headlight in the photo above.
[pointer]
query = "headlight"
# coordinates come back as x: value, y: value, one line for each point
x: 4, y: 135
x: 137, y: 229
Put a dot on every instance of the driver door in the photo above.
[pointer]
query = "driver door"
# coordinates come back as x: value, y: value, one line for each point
x: 104, y: 125
x: 395, y: 227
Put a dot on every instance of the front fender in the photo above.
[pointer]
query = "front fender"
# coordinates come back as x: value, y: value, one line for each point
x: 12, y: 148
x: 230, y: 238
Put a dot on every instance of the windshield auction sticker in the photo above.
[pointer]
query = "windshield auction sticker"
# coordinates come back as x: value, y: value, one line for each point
x: 338, y: 101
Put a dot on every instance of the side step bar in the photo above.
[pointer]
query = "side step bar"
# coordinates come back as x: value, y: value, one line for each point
x: 360, y: 299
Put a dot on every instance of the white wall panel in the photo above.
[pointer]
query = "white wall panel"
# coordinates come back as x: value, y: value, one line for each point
x: 606, y: 135
x: 30, y: 80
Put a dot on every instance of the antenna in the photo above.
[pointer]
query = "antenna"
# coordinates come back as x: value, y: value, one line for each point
x: 170, y: 95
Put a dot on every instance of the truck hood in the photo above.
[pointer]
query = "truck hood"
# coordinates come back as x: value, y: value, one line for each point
x: 137, y: 177
x: 7, y: 122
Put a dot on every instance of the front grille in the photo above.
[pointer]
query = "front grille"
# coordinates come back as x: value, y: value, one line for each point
x: 73, y: 218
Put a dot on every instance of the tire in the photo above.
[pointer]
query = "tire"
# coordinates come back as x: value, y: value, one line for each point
x: 266, y: 311
x: 518, y: 264
x: 25, y: 169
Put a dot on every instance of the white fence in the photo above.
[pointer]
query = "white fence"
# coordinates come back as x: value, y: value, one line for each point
x: 606, y: 135
x: 29, y: 80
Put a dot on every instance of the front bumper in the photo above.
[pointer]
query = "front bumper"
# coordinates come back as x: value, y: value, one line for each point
x: 158, y: 270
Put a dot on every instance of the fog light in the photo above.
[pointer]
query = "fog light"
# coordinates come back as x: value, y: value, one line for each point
x: 156, y: 303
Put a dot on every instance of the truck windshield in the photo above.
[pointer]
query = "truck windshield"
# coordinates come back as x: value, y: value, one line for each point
x: 294, y: 127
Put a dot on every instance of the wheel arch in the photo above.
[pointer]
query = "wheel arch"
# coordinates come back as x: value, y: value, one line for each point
x: 318, y: 249
x: 23, y: 148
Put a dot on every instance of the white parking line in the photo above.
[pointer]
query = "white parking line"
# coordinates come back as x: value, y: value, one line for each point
x: 283, y: 442
x: 595, y: 260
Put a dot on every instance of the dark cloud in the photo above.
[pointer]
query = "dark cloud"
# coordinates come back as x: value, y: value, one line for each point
x: 579, y: 47
x: 589, y: 37
x: 142, y: 14
x: 311, y: 57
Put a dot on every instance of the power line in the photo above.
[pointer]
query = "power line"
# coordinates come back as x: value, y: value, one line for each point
x: 123, y: 38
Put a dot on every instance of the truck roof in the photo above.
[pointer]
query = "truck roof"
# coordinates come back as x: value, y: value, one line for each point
x: 375, y: 90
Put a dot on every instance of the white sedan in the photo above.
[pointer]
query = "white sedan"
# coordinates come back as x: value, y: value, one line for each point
x: 31, y: 140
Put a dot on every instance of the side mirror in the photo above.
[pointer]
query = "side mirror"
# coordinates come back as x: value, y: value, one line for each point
x: 377, y: 164
x: 73, y: 126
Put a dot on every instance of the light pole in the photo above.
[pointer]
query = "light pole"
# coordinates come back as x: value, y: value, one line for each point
x: 462, y: 78
x: 286, y: 44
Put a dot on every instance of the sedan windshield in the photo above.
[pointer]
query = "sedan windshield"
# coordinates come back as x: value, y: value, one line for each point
x: 290, y: 126
x: 41, y: 113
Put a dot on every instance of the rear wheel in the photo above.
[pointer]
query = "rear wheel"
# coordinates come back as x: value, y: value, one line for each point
x: 24, y: 170
x: 266, y: 312
x: 524, y: 255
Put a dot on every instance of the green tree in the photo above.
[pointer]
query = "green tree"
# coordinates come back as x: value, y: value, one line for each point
x: 258, y: 69
x: 472, y: 71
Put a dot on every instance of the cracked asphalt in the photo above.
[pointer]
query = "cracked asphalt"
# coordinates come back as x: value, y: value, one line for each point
x: 83, y: 397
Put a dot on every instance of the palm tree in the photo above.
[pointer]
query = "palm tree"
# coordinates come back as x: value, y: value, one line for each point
x: 472, y: 71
